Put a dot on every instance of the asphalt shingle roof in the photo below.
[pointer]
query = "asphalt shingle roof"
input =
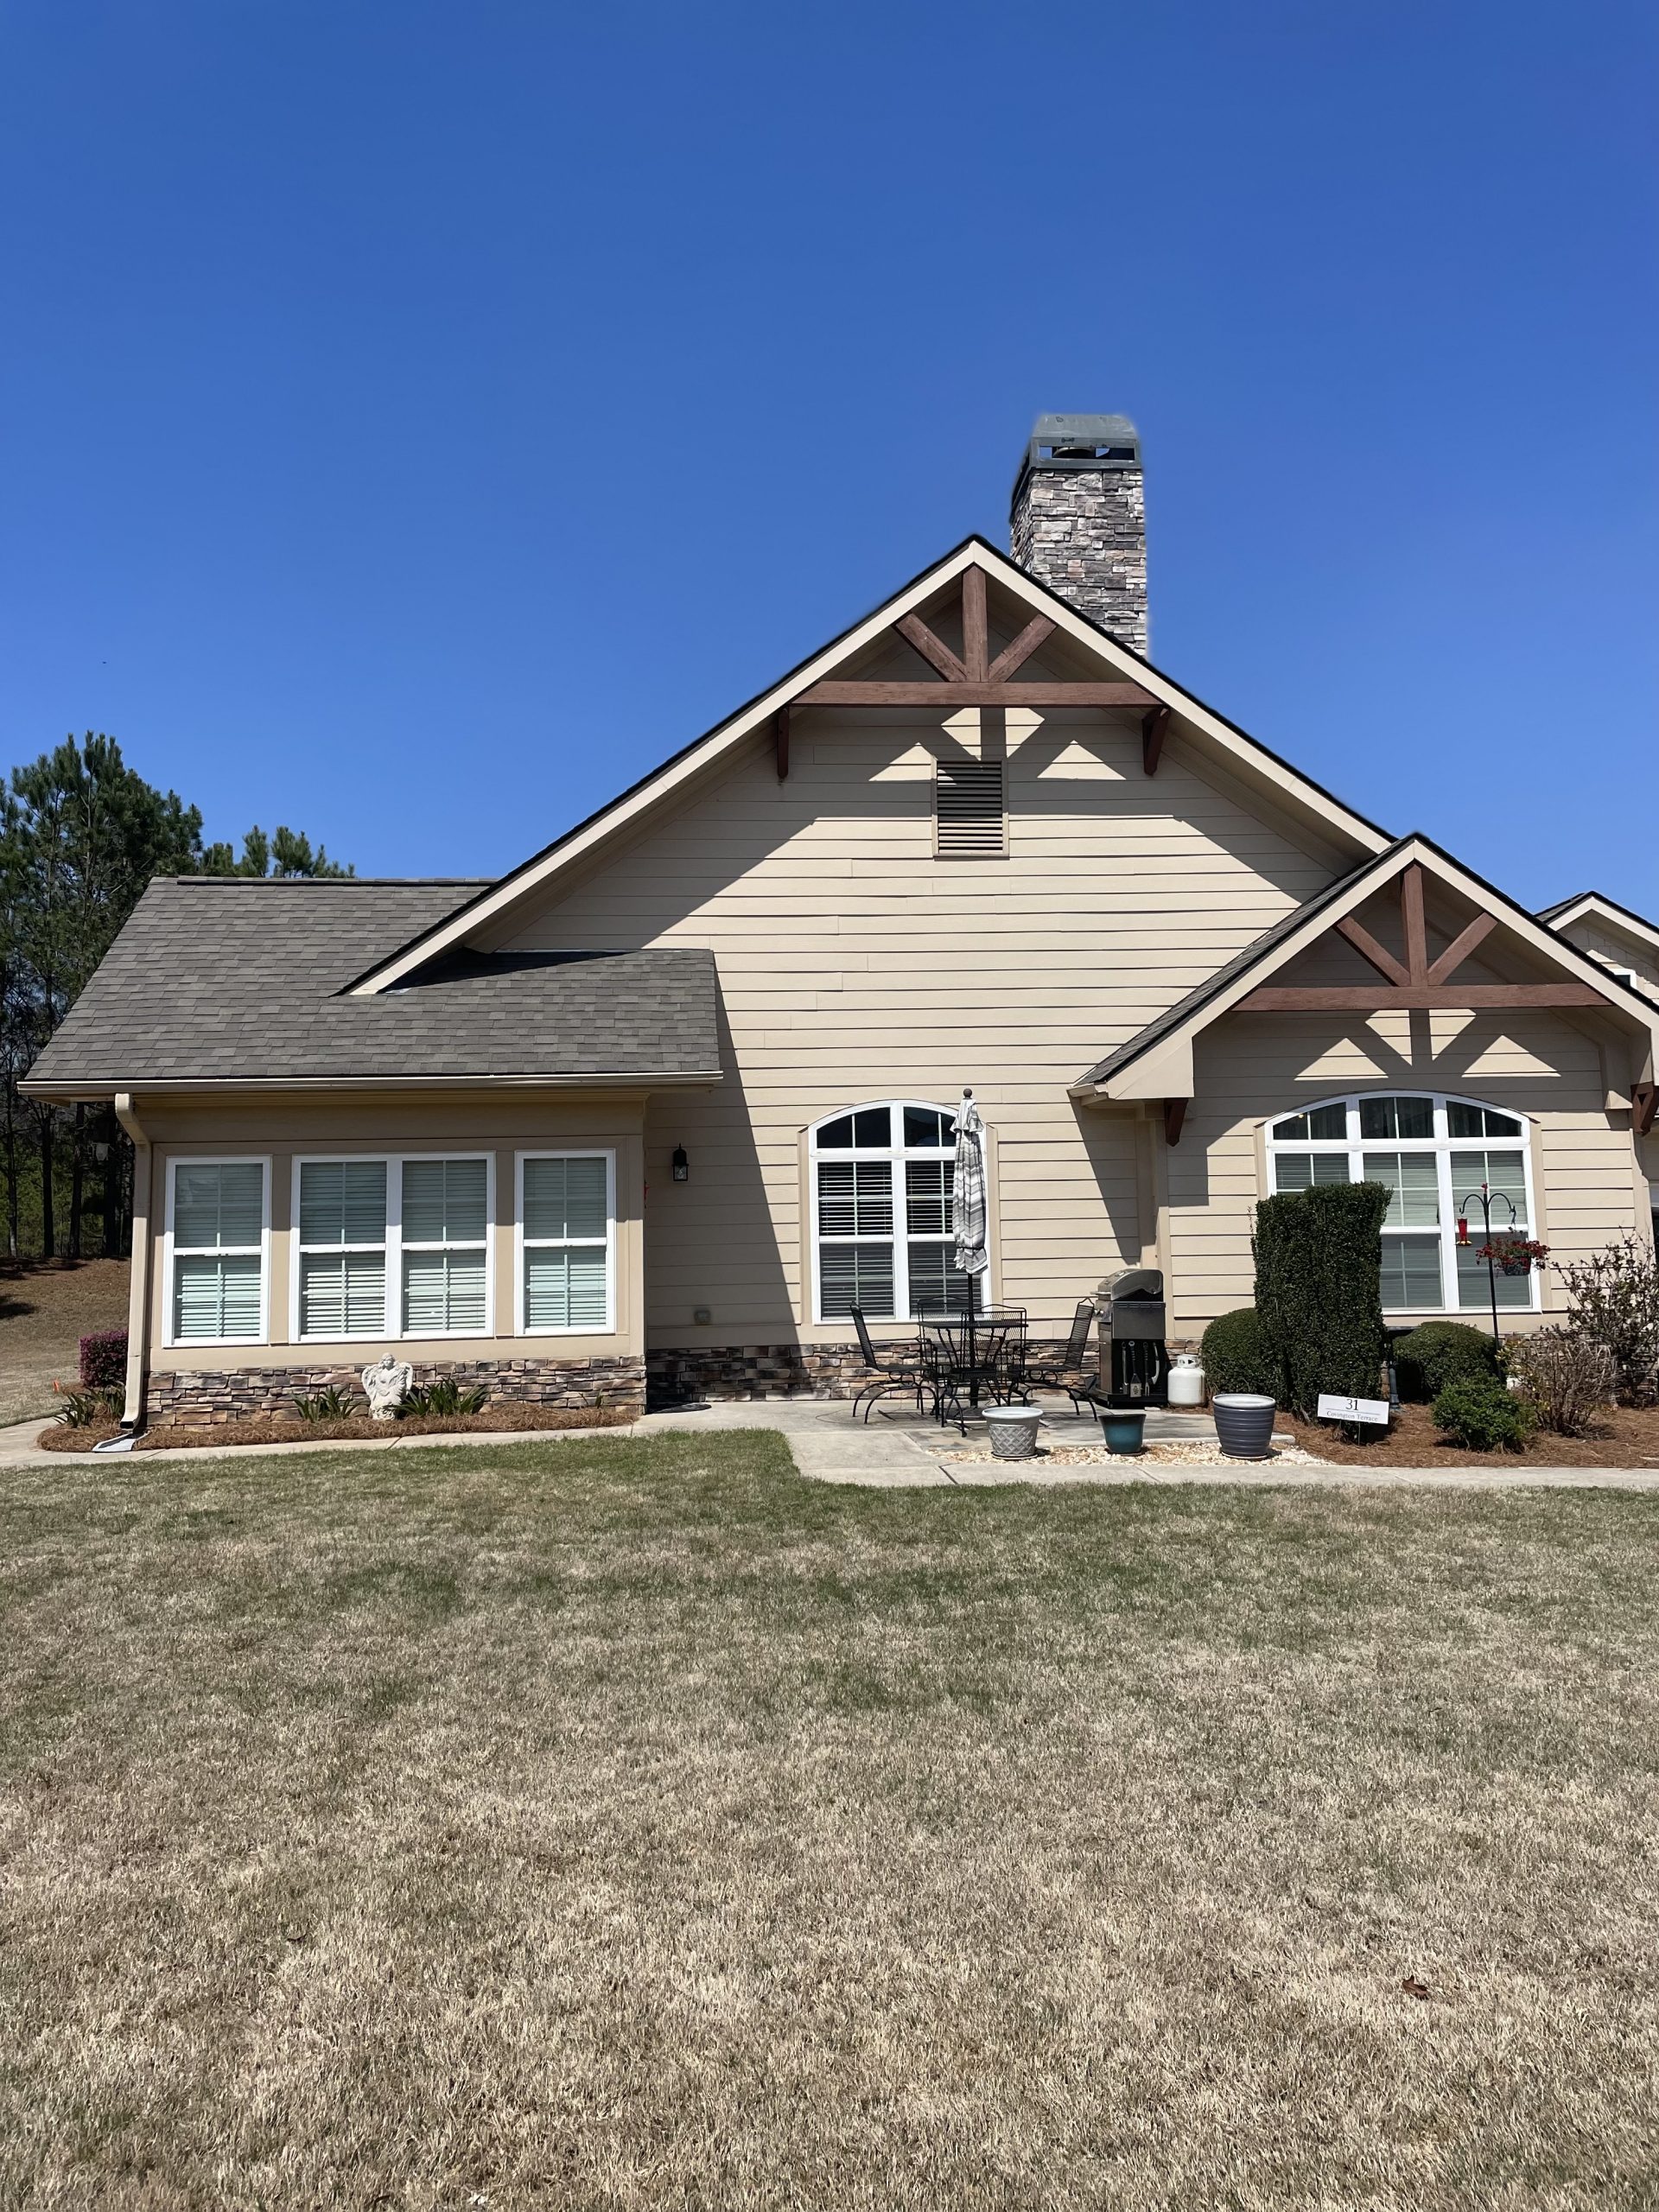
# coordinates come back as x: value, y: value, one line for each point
x: 217, y: 978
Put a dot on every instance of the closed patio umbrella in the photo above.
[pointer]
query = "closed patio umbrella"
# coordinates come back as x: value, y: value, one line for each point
x: 967, y: 1193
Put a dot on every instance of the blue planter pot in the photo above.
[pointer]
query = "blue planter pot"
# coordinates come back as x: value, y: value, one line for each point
x: 1124, y: 1431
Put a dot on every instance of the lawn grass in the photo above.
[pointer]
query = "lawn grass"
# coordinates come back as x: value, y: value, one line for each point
x: 623, y: 1823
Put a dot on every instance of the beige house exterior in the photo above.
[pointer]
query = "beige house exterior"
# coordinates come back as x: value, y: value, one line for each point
x: 978, y: 841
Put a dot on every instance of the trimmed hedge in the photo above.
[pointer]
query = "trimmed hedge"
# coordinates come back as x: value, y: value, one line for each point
x: 1235, y: 1353
x: 103, y: 1360
x: 1435, y: 1353
x: 1319, y: 1265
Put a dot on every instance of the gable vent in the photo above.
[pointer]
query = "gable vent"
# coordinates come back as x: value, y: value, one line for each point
x: 969, y: 822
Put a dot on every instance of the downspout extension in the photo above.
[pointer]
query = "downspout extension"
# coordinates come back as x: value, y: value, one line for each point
x: 132, y: 1411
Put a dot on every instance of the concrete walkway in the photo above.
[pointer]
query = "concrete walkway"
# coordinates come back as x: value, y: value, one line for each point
x: 898, y: 1450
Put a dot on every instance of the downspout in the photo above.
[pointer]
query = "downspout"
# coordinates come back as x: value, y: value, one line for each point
x: 132, y: 1412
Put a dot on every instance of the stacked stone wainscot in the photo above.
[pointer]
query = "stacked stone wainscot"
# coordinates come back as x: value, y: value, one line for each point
x: 676, y: 1377
x: 203, y: 1397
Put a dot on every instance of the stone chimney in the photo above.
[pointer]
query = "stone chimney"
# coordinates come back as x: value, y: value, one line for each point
x: 1078, y: 521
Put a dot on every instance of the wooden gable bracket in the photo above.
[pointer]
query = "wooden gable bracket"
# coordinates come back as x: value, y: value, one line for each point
x: 781, y: 742
x: 1416, y: 982
x: 1644, y: 1097
x: 972, y: 678
x: 1175, y: 1119
x: 1152, y: 726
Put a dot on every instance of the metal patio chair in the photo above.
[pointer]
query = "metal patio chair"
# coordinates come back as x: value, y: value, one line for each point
x: 1068, y: 1372
x: 901, y: 1368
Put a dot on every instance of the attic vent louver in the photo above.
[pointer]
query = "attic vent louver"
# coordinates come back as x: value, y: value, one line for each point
x: 969, y: 816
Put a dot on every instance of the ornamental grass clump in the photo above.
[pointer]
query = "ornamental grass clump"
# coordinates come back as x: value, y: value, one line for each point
x: 1615, y: 1301
x: 90, y: 1408
x: 444, y: 1397
x: 1481, y: 1415
x: 1318, y: 1265
x: 330, y: 1403
x: 1565, y: 1379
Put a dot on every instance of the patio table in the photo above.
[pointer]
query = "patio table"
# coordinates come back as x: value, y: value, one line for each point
x: 971, y: 1350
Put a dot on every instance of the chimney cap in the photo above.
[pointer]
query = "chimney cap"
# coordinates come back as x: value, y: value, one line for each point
x: 1071, y: 443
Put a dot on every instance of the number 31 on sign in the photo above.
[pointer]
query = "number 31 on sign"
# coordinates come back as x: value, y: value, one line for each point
x: 1375, y: 1410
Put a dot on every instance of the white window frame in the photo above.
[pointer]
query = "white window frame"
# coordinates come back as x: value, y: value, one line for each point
x: 1442, y: 1145
x: 897, y: 1155
x: 521, y: 1326
x: 261, y: 1160
x: 393, y: 1332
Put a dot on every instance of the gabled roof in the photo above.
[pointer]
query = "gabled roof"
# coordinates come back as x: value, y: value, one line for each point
x: 1164, y: 1045
x: 1200, y: 723
x: 220, y: 981
x: 1597, y: 903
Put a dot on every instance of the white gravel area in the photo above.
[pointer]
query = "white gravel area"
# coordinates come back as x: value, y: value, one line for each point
x: 1200, y: 1452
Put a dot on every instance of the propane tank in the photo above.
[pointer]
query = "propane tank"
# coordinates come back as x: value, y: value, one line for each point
x: 1185, y: 1380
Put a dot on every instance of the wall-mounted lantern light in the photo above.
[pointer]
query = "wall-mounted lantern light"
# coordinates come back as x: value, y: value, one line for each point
x: 682, y: 1165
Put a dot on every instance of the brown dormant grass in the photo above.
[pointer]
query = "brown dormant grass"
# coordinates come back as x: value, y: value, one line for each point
x: 624, y: 1824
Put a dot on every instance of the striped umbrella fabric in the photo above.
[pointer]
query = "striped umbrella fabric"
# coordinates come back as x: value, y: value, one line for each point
x: 968, y: 1192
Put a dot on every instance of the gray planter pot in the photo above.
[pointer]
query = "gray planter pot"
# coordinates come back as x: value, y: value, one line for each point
x: 1013, y: 1431
x: 1244, y: 1423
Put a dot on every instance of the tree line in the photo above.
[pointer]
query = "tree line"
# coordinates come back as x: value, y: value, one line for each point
x: 81, y: 835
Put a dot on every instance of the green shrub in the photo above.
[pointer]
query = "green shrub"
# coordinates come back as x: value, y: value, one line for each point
x: 103, y: 1360
x: 444, y: 1397
x: 1435, y: 1353
x: 1319, y: 1264
x: 1234, y: 1355
x: 91, y: 1408
x: 1479, y: 1414
x: 330, y: 1403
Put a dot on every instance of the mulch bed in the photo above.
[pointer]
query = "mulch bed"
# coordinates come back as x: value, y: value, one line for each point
x: 1631, y: 1440
x: 281, y: 1428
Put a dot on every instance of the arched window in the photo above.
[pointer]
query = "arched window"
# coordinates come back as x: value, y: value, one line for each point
x: 1433, y: 1152
x: 883, y: 1238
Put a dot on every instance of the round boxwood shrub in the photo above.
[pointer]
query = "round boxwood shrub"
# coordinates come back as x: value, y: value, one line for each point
x: 1435, y: 1353
x: 1235, y: 1354
x: 1479, y: 1413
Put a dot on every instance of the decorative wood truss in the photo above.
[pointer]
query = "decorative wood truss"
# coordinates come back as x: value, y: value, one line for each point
x: 1417, y: 981
x: 973, y: 678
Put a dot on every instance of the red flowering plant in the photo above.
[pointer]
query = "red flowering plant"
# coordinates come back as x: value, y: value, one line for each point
x: 1515, y: 1255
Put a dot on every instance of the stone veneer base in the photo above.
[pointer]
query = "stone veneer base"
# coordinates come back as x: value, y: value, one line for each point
x: 203, y: 1397
x: 680, y: 1376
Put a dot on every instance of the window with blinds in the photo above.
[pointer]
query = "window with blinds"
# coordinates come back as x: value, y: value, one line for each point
x: 970, y: 810
x: 567, y: 1227
x: 445, y: 1238
x: 884, y: 1233
x: 1415, y: 1146
x: 218, y: 1211
x: 342, y: 1263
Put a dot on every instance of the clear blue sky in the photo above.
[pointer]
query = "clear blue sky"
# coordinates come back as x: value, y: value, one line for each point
x: 425, y: 415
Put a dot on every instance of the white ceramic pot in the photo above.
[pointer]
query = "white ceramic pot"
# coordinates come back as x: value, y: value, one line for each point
x: 1013, y: 1431
x: 1185, y: 1380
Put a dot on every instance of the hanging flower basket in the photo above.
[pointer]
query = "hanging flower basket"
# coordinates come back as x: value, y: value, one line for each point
x: 1515, y: 1255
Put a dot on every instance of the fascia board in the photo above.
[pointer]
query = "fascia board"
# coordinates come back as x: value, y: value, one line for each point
x: 1250, y: 758
x: 667, y: 780
x: 1152, y: 1075
x: 1605, y: 910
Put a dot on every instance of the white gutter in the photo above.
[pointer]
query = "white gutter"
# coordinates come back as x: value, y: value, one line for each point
x: 132, y: 1412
